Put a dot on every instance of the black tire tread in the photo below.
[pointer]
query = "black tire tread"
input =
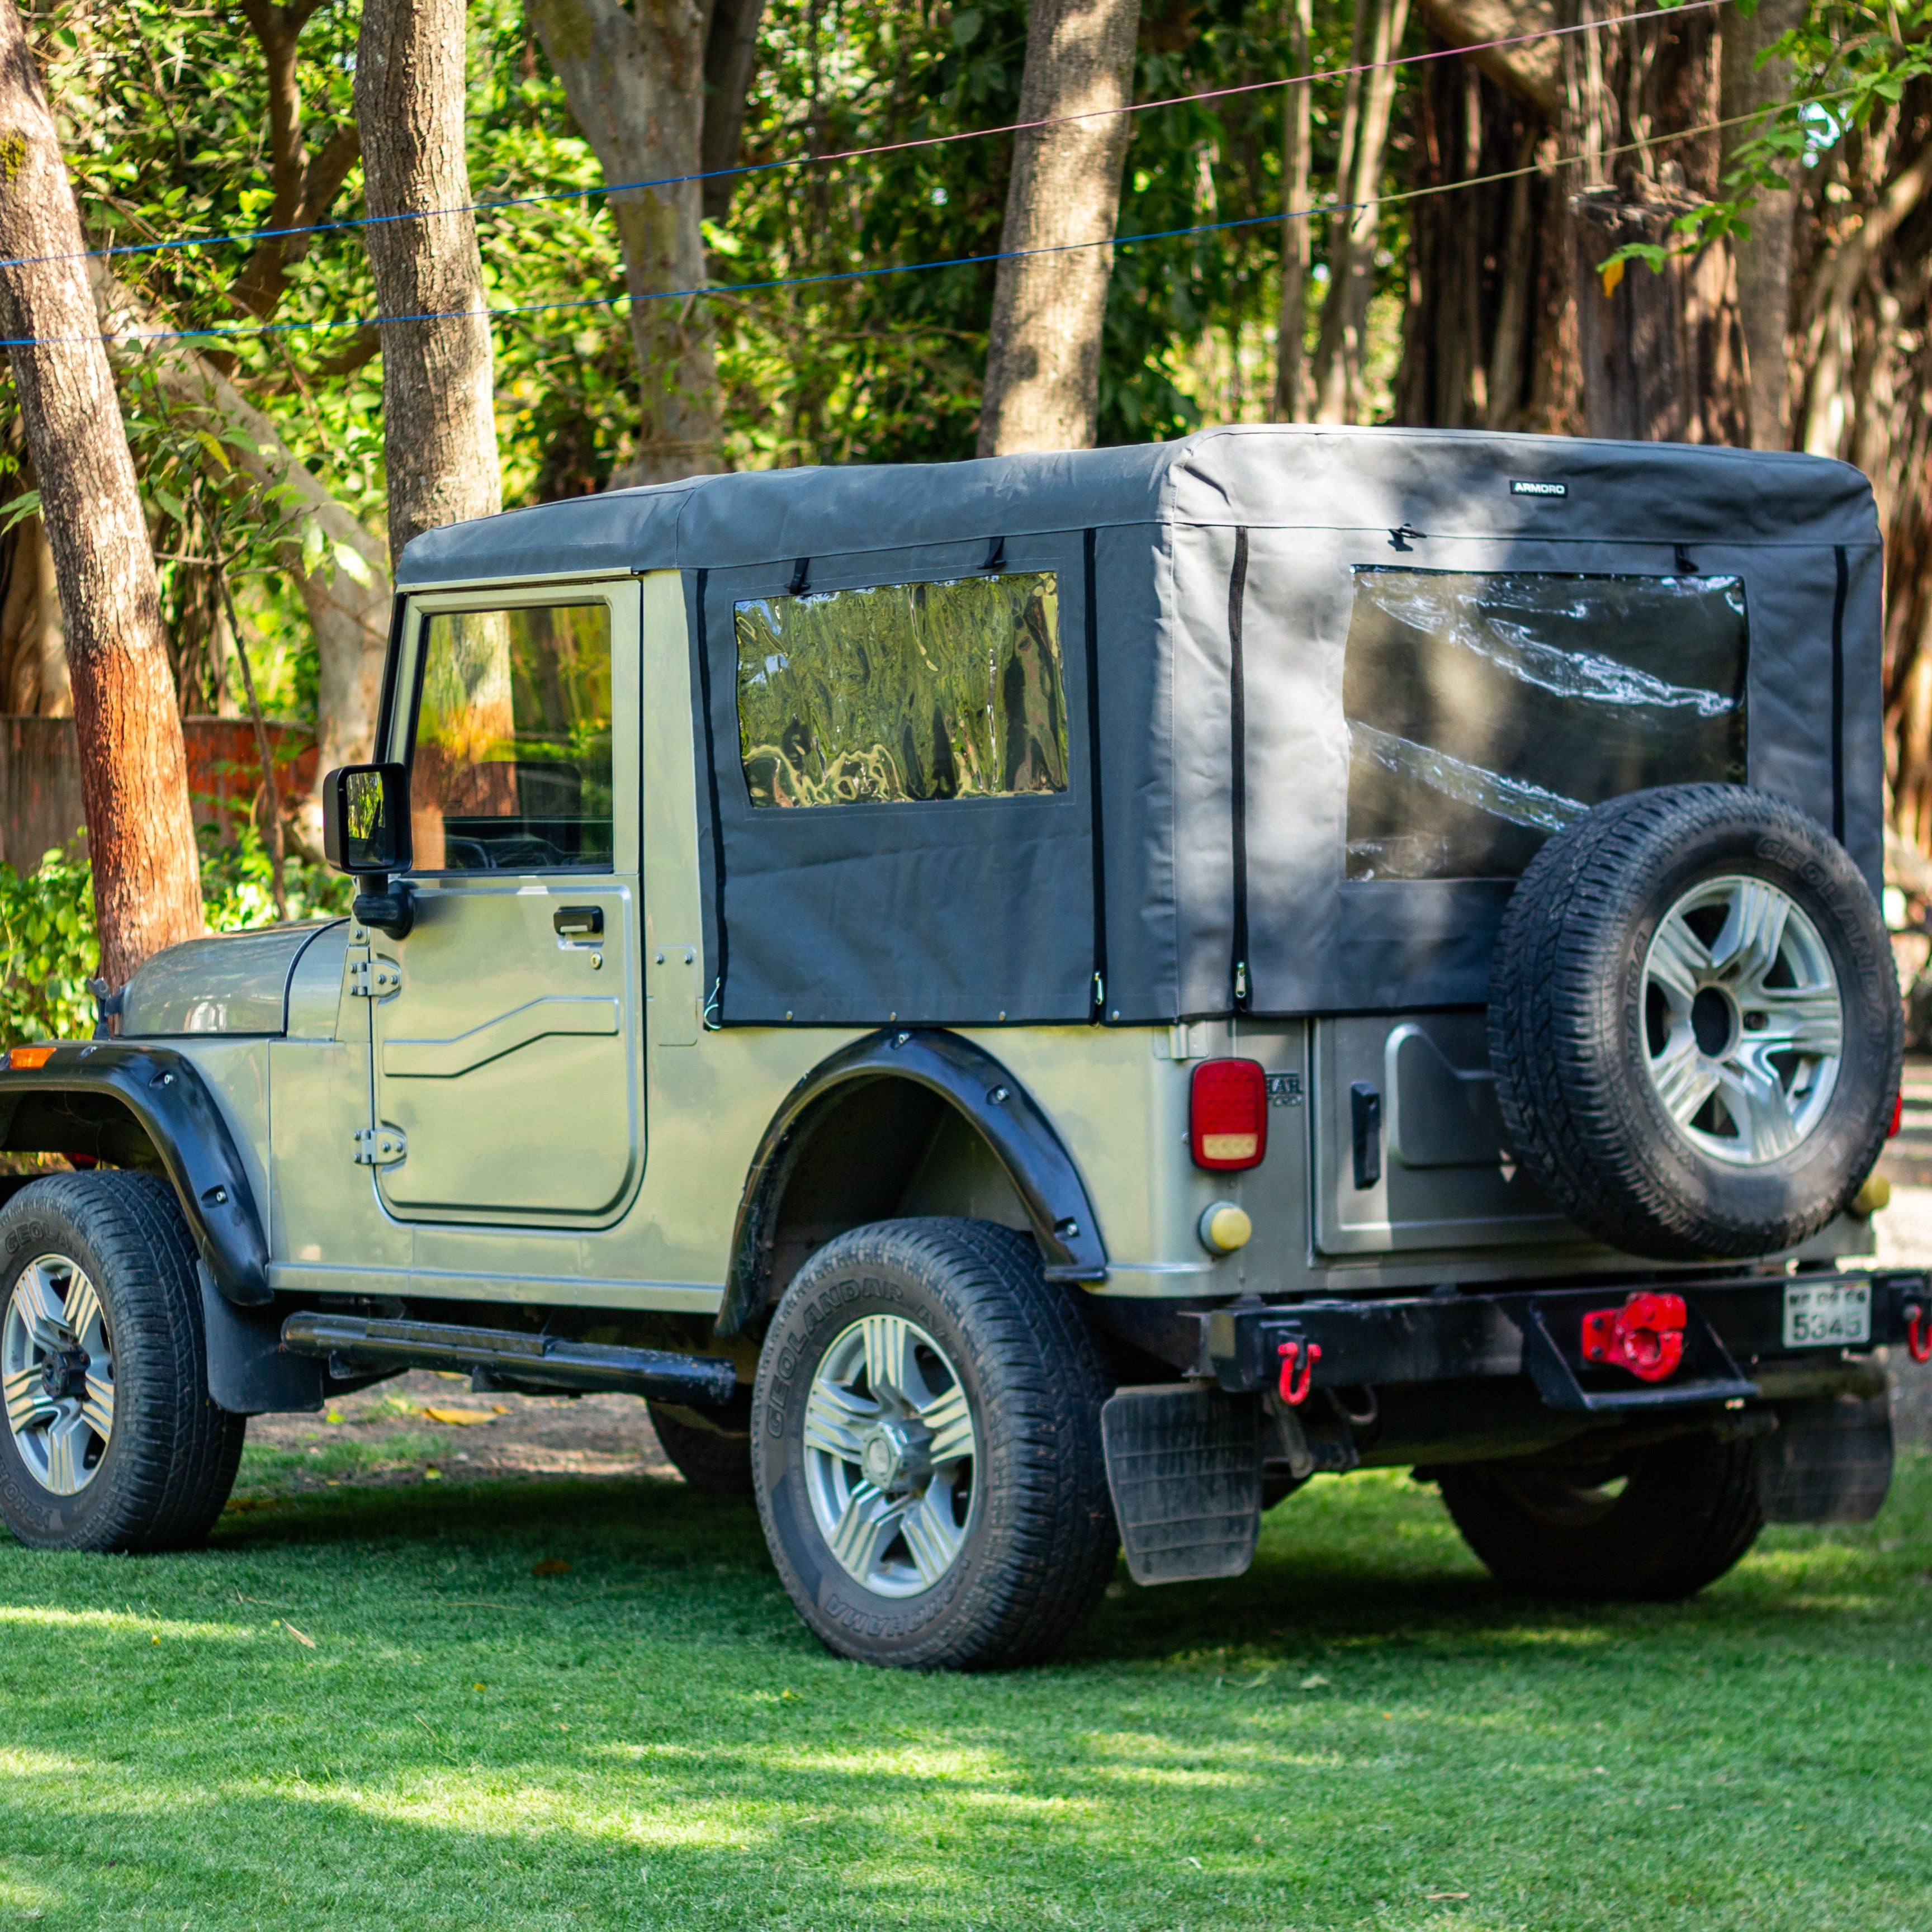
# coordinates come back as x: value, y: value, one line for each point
x: 1554, y: 1005
x: 1690, y: 1513
x: 1048, y: 1387
x: 176, y: 1452
x: 712, y: 1462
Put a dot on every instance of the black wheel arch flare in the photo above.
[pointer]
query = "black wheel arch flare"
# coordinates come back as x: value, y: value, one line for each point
x: 971, y: 1082
x: 147, y: 1106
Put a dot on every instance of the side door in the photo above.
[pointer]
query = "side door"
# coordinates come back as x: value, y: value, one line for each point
x: 506, y: 1023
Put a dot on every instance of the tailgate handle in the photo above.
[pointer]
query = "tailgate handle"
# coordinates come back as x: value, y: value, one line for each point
x: 1365, y: 1117
x: 578, y: 921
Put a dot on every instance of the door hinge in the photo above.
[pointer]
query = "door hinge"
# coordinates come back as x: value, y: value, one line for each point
x: 374, y: 978
x: 379, y: 1147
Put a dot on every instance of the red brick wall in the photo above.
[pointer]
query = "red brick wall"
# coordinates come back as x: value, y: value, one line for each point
x: 39, y: 777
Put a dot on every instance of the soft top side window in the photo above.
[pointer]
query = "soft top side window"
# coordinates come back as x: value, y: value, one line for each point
x: 903, y: 693
x: 510, y: 754
x: 1487, y: 710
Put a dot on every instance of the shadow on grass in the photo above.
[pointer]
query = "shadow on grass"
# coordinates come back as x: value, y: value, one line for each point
x: 1374, y: 1563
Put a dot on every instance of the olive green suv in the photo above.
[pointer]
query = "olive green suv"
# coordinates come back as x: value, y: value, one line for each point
x: 1032, y: 1005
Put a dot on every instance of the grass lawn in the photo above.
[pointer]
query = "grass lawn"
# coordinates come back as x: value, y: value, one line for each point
x: 1362, y: 1732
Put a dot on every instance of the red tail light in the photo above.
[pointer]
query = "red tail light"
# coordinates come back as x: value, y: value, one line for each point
x: 1227, y: 1114
x: 1897, y: 1114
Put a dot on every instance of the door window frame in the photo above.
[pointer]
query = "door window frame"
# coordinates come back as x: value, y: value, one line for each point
x: 402, y: 691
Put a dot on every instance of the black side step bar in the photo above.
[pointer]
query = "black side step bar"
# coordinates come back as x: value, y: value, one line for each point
x: 353, y: 1344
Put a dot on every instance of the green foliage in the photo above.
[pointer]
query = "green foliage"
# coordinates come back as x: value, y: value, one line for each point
x: 888, y: 369
x: 47, y: 942
x: 1849, y: 59
x: 236, y: 891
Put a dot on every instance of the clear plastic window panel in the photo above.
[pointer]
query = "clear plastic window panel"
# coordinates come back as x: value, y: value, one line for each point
x: 1485, y: 712
x: 903, y: 693
x: 511, y: 767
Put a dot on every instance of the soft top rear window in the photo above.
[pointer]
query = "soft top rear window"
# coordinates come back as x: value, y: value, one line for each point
x: 1487, y: 710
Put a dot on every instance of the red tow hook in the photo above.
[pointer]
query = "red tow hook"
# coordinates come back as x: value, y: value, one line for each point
x: 1294, y: 1393
x: 1917, y: 1334
x: 1645, y: 1336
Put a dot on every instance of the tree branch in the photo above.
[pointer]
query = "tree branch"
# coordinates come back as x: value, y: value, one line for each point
x: 1531, y: 70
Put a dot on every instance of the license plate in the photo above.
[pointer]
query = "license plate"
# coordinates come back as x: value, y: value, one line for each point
x: 1827, y: 1314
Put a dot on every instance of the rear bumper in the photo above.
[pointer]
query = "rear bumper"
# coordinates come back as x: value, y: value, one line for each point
x: 1734, y: 1338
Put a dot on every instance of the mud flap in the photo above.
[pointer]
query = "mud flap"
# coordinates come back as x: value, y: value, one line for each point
x: 1184, y: 1465
x: 248, y: 1374
x: 1828, y: 1461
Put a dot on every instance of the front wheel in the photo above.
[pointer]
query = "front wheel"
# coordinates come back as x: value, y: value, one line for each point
x: 112, y: 1440
x: 926, y: 1432
x: 1649, y: 1525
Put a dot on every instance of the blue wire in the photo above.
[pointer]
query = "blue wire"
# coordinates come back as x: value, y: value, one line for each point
x: 674, y: 295
x: 807, y: 161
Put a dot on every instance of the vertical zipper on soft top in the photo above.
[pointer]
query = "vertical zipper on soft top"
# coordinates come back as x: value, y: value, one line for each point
x: 1097, y: 985
x: 1843, y: 585
x: 714, y: 1006
x: 1237, y: 777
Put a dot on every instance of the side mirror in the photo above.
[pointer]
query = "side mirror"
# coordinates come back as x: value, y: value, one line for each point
x: 365, y: 819
x: 365, y: 832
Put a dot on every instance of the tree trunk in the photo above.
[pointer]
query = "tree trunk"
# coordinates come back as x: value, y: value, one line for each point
x: 304, y: 186
x: 1764, y: 260
x: 147, y: 885
x: 731, y: 60
x: 438, y: 416
x: 1338, y: 355
x: 1663, y: 353
x: 33, y: 652
x: 1042, y: 389
x: 636, y: 87
x: 1489, y: 341
x: 1291, y: 380
x: 348, y: 609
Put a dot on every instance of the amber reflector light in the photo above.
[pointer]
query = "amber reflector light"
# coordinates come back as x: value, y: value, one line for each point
x: 27, y: 1058
x: 1227, y: 1114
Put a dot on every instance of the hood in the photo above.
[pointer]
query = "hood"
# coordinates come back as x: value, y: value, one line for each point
x: 228, y: 982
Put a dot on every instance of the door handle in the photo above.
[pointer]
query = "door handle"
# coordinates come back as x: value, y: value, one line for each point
x: 578, y: 921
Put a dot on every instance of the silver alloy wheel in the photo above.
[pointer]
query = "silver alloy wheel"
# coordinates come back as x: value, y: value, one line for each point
x: 57, y: 1369
x: 889, y: 1446
x: 1743, y: 1020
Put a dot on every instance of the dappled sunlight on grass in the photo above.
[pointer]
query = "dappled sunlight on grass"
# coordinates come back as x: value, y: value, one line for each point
x: 650, y: 1737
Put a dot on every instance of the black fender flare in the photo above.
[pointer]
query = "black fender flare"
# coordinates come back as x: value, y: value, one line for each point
x: 976, y: 1085
x: 163, y: 1092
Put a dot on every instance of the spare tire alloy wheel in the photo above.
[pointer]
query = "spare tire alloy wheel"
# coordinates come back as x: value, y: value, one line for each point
x: 1694, y: 1024
x: 1743, y: 1019
x: 57, y: 1368
x: 888, y: 1453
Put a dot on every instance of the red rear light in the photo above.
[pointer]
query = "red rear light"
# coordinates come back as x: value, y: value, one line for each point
x: 1897, y: 1114
x: 1227, y: 1114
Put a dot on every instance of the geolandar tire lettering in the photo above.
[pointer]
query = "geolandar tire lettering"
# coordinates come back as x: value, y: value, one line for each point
x: 926, y: 1447
x: 111, y: 1441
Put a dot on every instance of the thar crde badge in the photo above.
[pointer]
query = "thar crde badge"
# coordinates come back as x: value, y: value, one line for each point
x: 1519, y: 488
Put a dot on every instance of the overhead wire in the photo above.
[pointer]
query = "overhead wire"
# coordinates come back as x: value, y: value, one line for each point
x: 351, y: 223
x: 1322, y: 211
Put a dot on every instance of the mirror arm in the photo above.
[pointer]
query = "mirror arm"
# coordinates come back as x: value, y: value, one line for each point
x: 389, y: 905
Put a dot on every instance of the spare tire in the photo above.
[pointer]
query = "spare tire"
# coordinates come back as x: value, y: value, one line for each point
x: 1695, y: 1023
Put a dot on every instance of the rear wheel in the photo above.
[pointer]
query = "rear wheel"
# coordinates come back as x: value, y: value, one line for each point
x: 713, y: 1458
x: 1651, y: 1524
x: 926, y: 1444
x: 112, y: 1440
